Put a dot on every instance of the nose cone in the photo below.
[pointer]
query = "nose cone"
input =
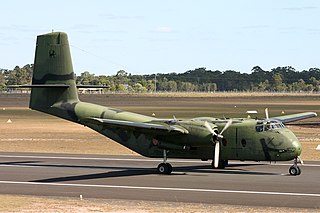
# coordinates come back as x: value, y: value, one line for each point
x: 296, y: 145
x: 293, y: 145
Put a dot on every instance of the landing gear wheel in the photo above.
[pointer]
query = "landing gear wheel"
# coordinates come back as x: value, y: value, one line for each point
x: 222, y: 164
x: 294, y: 170
x: 170, y: 168
x: 299, y: 170
x: 164, y: 168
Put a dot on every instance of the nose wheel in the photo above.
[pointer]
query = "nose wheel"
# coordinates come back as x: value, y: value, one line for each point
x: 295, y: 170
x: 164, y: 168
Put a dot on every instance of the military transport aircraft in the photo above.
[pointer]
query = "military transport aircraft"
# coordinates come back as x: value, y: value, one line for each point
x: 54, y: 91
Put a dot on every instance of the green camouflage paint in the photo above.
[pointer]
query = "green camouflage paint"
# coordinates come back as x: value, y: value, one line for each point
x: 56, y: 94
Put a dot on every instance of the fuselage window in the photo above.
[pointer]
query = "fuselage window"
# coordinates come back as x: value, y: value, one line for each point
x: 259, y: 128
x: 269, y: 125
x: 243, y: 142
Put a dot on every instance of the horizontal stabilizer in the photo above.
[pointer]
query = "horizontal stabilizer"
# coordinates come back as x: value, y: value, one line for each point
x: 55, y: 86
x: 92, y: 86
x: 39, y: 86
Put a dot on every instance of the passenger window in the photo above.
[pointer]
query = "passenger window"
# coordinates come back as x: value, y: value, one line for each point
x: 259, y: 128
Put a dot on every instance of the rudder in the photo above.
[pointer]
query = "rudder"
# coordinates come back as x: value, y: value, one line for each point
x: 54, y: 88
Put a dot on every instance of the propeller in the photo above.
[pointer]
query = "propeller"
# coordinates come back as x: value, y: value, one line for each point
x: 206, y: 124
x: 225, y: 127
x: 217, y: 142
x: 267, y: 113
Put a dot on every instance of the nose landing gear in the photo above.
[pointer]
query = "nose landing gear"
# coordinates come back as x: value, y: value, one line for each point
x: 295, y: 169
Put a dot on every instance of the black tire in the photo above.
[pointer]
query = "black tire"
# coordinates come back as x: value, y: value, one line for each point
x: 169, y: 168
x: 222, y: 164
x: 294, y: 170
x: 299, y: 170
x: 164, y: 168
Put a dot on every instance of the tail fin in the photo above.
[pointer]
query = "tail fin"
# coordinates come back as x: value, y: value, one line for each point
x: 54, y: 88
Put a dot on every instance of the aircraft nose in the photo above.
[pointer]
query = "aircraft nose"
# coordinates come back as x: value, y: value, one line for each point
x: 296, y: 145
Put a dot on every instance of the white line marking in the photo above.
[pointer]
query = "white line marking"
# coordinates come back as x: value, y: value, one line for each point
x: 20, y: 166
x: 164, y: 188
x: 144, y: 160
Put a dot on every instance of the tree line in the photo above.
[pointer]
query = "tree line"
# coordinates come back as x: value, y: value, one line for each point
x: 280, y: 79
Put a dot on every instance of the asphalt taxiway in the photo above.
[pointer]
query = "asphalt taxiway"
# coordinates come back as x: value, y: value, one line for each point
x: 136, y: 178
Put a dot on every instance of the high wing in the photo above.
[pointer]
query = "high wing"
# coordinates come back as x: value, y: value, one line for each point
x: 151, y: 128
x: 295, y: 117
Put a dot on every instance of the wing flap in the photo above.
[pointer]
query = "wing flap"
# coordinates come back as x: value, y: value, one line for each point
x: 138, y: 126
x: 295, y: 117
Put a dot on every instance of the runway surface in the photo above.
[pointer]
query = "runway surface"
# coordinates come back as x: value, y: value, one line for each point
x: 136, y: 178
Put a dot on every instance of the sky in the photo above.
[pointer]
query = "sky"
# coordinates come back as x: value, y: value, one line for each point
x: 164, y: 36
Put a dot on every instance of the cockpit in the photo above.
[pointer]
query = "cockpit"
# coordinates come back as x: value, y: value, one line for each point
x: 269, y: 125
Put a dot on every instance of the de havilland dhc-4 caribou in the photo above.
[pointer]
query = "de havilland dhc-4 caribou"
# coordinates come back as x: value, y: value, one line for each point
x: 54, y: 91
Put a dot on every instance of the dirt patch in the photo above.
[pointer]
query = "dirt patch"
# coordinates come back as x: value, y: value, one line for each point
x: 9, y: 203
x: 30, y: 131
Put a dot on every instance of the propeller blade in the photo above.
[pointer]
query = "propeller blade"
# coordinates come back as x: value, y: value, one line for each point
x: 225, y: 127
x: 216, y: 154
x: 206, y: 124
x: 267, y: 113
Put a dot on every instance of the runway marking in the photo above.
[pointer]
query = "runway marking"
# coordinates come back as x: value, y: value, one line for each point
x: 142, y: 160
x: 164, y: 188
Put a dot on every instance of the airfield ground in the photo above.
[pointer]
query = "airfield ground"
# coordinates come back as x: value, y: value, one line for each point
x: 31, y: 131
x: 9, y: 203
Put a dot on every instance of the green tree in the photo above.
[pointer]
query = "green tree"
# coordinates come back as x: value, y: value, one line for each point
x: 19, y: 76
x: 277, y: 83
x: 315, y: 83
x: 139, y: 88
x: 150, y: 85
x: 85, y: 78
x: 263, y: 86
x: 2, y: 80
x: 121, y: 88
x: 172, y: 86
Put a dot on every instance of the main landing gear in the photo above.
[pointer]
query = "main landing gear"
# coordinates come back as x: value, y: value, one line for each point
x: 222, y: 164
x: 295, y: 169
x: 164, y: 168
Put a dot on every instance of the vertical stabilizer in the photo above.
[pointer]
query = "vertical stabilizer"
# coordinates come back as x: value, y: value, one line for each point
x: 53, y: 83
